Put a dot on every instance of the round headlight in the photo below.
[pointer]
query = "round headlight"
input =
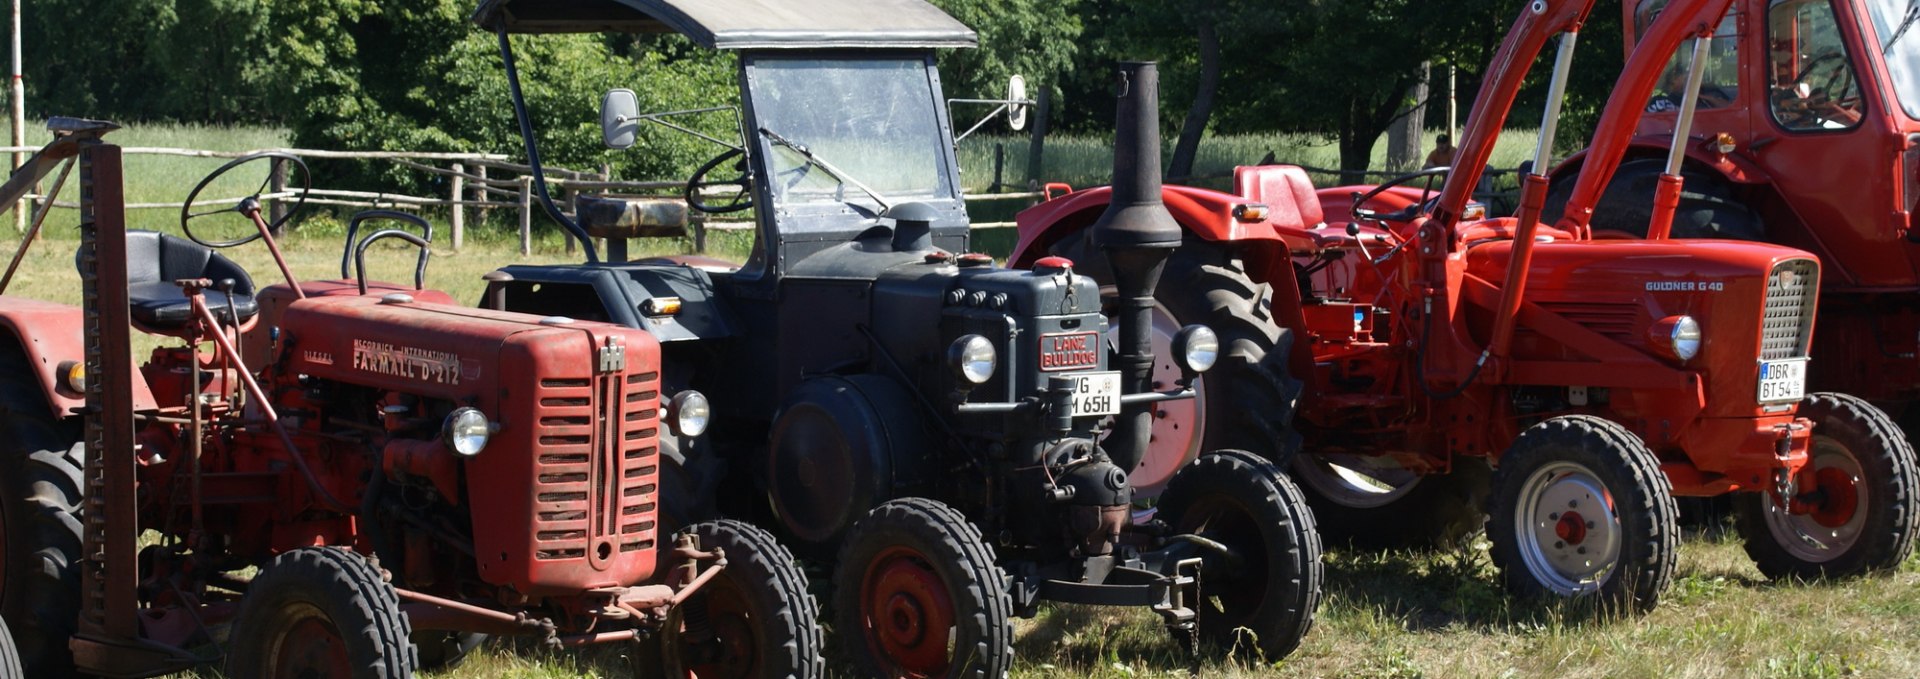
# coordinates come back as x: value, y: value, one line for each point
x: 1196, y: 347
x: 73, y: 375
x: 467, y: 431
x: 1686, y: 338
x: 688, y: 413
x: 973, y: 358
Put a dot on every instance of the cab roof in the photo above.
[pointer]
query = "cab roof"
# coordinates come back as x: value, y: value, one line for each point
x: 740, y: 24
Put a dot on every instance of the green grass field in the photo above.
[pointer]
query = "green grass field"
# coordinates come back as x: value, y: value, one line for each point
x: 1392, y: 614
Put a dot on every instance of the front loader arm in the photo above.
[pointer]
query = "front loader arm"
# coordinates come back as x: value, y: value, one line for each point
x: 68, y: 135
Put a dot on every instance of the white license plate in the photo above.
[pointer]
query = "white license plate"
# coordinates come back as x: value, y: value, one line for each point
x: 1783, y: 381
x: 1096, y: 393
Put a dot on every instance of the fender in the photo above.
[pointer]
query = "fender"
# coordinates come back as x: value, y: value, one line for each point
x: 49, y: 334
x: 1733, y: 167
x: 1205, y: 213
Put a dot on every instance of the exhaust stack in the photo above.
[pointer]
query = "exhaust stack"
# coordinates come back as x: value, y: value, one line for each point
x: 1137, y: 234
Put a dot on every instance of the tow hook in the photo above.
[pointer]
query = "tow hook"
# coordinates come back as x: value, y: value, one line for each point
x: 1234, y: 562
x: 1783, y: 483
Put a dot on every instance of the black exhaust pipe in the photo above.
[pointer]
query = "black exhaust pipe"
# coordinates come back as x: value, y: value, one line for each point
x: 1137, y: 234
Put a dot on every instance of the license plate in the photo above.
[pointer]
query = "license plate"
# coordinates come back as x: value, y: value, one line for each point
x: 1782, y: 381
x: 1070, y: 351
x: 1096, y: 393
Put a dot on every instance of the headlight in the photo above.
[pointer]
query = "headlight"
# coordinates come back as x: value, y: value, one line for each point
x: 73, y: 375
x: 467, y: 431
x: 1686, y: 338
x: 688, y: 413
x: 1196, y: 347
x: 973, y: 358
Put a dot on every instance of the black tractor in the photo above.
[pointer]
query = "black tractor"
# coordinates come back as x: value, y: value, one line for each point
x: 953, y: 438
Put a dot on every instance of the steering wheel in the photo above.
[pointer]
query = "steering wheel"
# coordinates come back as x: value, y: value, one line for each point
x: 1404, y: 214
x: 1838, y: 76
x: 742, y: 199
x: 249, y: 207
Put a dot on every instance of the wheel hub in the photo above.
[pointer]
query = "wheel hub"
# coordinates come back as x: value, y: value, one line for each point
x: 1568, y: 528
x: 1571, y: 528
x: 311, y: 649
x: 1839, y: 497
x: 908, y: 613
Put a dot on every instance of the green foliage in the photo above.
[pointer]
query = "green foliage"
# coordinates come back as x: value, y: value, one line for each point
x: 1034, y: 38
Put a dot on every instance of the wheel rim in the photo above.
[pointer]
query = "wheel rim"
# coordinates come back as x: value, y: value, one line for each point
x: 1568, y: 528
x: 908, y: 614
x: 307, y: 646
x: 1179, y: 431
x: 1224, y: 519
x: 1834, y: 523
x: 1355, y: 481
x: 716, y: 635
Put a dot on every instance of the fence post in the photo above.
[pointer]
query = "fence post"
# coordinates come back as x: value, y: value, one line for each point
x: 480, y: 193
x: 573, y: 203
x: 999, y: 166
x: 1037, y: 144
x: 278, y: 185
x: 526, y: 215
x: 459, y: 217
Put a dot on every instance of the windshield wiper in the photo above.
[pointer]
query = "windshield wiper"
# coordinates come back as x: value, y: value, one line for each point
x: 835, y: 171
x: 1913, y: 15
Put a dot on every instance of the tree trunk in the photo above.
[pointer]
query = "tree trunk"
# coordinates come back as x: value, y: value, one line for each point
x: 1404, y: 138
x: 1203, y: 96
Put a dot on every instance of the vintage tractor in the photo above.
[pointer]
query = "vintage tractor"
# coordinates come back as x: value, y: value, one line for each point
x: 404, y: 474
x: 1807, y: 134
x: 954, y: 436
x: 1601, y: 378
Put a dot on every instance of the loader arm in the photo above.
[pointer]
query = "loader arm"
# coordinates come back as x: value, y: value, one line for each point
x: 68, y: 135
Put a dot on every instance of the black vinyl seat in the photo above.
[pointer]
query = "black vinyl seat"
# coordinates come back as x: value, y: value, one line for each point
x: 155, y: 260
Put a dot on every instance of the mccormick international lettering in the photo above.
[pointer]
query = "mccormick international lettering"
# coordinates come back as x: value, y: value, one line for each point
x: 441, y: 367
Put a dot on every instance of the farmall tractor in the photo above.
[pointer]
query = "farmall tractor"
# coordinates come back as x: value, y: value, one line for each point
x: 1599, y: 378
x: 406, y: 475
x: 954, y: 436
x: 1807, y: 134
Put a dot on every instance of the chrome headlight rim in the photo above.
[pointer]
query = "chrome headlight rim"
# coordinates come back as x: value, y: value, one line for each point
x: 1196, y: 348
x: 1686, y: 338
x: 689, y: 413
x: 466, y: 431
x: 973, y: 359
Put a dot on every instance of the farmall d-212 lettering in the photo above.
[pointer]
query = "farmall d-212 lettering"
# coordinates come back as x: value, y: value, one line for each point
x: 937, y: 426
x: 407, y: 475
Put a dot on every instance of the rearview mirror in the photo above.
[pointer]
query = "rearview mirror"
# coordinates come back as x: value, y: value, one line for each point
x: 619, y: 118
x: 1017, y: 103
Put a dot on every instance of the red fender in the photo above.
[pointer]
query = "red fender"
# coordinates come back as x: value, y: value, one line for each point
x: 49, y: 334
x: 1734, y: 168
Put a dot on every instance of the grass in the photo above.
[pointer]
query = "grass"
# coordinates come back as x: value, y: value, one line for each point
x: 1386, y: 615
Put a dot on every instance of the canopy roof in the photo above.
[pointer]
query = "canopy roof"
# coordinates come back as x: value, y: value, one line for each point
x: 738, y: 24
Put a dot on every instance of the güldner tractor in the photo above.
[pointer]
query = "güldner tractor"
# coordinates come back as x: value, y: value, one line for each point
x: 405, y: 474
x: 879, y: 390
x: 1599, y: 377
x: 1807, y: 134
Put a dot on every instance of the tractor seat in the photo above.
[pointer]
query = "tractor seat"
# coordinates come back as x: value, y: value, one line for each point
x: 625, y: 217
x: 156, y: 260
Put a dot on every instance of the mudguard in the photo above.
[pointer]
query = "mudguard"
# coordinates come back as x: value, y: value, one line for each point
x: 1734, y: 168
x: 49, y: 335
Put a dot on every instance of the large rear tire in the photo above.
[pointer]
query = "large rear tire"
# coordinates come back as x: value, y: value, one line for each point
x: 1863, y: 514
x: 1708, y: 208
x: 1389, y: 507
x: 917, y: 594
x: 40, y: 481
x: 321, y: 612
x: 1581, y: 509
x: 9, y: 655
x: 1244, y: 502
x: 755, y: 620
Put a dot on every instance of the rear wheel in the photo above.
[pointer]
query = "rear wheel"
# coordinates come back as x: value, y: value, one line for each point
x: 1580, y: 508
x: 755, y: 620
x: 1373, y: 503
x: 322, y: 613
x: 917, y: 594
x: 1860, y: 516
x: 40, y: 471
x: 1266, y: 602
x: 9, y: 655
x: 1708, y: 208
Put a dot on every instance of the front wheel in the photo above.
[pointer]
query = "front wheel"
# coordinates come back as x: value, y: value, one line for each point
x: 321, y: 612
x: 1265, y: 601
x: 1580, y: 508
x: 1860, y: 515
x: 755, y: 620
x: 917, y: 594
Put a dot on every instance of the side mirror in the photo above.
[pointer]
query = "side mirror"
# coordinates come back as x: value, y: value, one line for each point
x: 1017, y: 103
x: 619, y: 118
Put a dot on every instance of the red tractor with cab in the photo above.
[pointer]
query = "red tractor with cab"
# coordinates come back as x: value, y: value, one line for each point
x: 341, y: 477
x: 1599, y: 378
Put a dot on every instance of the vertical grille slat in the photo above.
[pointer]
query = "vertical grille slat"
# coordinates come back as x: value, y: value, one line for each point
x: 1786, y: 319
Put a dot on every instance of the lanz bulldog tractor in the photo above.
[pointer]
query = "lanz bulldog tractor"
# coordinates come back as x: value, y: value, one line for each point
x: 1601, y: 377
x: 406, y: 475
x: 879, y: 390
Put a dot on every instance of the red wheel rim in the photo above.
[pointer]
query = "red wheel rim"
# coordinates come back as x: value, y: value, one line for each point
x: 1839, y: 497
x: 720, y: 639
x: 309, y: 647
x: 907, y: 612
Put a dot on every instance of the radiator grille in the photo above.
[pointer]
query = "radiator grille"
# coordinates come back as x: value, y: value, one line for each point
x: 597, y: 473
x: 1786, y: 323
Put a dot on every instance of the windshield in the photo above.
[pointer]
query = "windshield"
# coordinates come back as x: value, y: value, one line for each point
x: 1894, y: 22
x: 875, y: 121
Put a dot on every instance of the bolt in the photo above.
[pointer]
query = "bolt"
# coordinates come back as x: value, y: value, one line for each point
x: 1582, y: 550
x: 1589, y: 525
x: 1559, y: 545
x: 1555, y: 516
x: 1572, y: 504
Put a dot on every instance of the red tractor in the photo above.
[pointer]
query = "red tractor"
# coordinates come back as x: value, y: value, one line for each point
x: 1807, y: 134
x: 1600, y: 378
x: 405, y: 474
